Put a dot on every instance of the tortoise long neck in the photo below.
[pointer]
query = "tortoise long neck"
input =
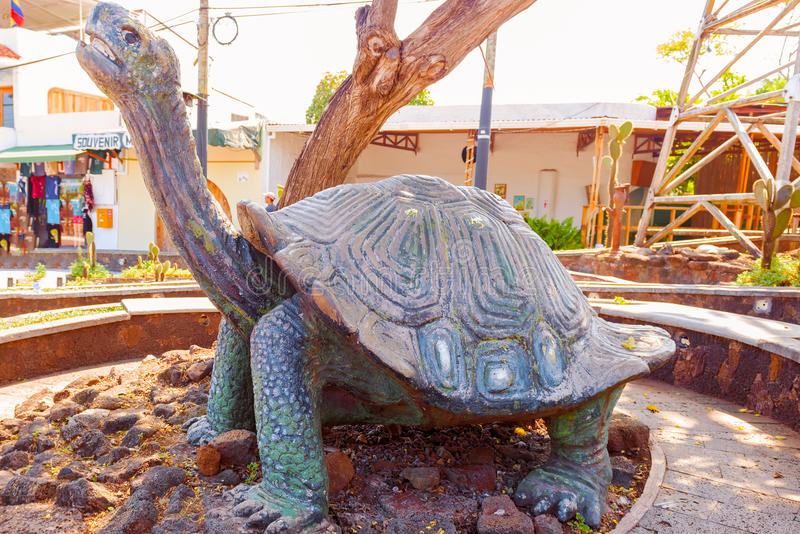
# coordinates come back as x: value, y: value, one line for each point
x: 220, y: 258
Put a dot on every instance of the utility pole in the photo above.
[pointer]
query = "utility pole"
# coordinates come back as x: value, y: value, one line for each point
x: 202, y: 87
x: 485, y: 125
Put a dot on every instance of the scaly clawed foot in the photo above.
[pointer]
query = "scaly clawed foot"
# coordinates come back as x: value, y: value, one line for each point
x: 565, y: 488
x: 279, y: 514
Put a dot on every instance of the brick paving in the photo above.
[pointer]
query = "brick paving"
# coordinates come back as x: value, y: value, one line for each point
x: 727, y: 471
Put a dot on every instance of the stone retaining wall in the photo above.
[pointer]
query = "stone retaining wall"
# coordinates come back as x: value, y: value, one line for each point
x: 114, y: 260
x: 666, y: 266
x: 766, y: 383
x: 102, y: 343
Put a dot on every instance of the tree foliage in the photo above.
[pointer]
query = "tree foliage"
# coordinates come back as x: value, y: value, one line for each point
x: 325, y: 89
x: 331, y: 81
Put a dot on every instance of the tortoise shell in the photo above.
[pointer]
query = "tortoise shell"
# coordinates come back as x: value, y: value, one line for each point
x: 452, y: 290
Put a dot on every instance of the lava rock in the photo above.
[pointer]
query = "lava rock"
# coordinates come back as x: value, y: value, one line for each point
x: 499, y: 515
x: 85, y: 397
x: 64, y: 409
x: 141, y: 431
x: 195, y: 395
x: 158, y: 480
x: 198, y: 371
x: 91, y: 445
x: 622, y: 470
x: 137, y: 515
x: 109, y: 402
x: 114, y: 455
x: 459, y: 509
x: 207, y: 460
x: 14, y: 460
x: 85, y: 496
x: 237, y: 447
x: 420, y: 523
x: 40, y: 518
x: 547, y: 524
x: 340, y: 471
x: 176, y: 501
x: 34, y: 406
x: 72, y: 471
x: 228, y: 477
x: 164, y: 411
x: 81, y: 422
x: 159, y: 395
x: 126, y: 470
x: 24, y: 490
x: 480, y: 455
x: 121, y: 420
x: 422, y: 478
x: 474, y: 477
x: 176, y: 525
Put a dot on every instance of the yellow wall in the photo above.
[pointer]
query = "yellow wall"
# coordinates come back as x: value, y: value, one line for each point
x: 137, y: 225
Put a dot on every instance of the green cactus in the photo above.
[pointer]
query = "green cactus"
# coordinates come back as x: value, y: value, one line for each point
x: 777, y: 204
x: 158, y: 271
x: 85, y: 271
x: 617, y: 137
x: 139, y: 262
x: 167, y: 265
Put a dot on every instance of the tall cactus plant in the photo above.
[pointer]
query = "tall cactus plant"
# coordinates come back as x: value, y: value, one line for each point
x: 777, y: 204
x: 616, y: 140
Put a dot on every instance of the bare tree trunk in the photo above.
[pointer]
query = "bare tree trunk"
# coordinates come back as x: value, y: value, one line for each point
x: 387, y: 74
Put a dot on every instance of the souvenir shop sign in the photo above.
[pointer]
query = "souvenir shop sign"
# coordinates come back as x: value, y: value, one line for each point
x: 102, y: 141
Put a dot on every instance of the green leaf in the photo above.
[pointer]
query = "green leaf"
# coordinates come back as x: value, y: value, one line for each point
x: 783, y: 195
x: 781, y: 222
x: 794, y: 202
x: 615, y: 149
x: 613, y: 131
x: 760, y: 192
x: 625, y: 130
x: 607, y: 162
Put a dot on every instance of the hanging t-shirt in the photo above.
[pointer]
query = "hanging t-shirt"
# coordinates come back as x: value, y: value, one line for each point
x: 53, y: 211
x: 53, y: 235
x: 51, y: 167
x: 69, y: 166
x: 51, y: 184
x: 96, y: 165
x: 5, y: 219
x: 37, y: 186
x: 23, y: 190
x: 38, y: 169
x: 24, y: 169
x: 5, y: 241
x: 77, y: 206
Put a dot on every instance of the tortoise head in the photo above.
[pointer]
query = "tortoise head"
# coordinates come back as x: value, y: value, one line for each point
x: 124, y: 58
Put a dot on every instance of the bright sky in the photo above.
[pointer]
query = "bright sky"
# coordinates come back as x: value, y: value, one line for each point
x: 556, y: 51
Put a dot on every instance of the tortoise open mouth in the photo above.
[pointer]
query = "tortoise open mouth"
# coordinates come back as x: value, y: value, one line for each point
x: 99, y: 45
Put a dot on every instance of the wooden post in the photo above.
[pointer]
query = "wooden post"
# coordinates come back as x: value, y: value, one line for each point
x: 735, y: 232
x: 789, y: 126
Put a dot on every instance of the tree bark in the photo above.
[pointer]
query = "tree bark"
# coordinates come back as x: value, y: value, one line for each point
x: 387, y: 74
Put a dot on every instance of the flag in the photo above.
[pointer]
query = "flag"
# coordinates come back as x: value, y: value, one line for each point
x: 17, y: 18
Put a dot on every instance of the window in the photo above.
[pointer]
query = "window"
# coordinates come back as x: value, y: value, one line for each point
x: 7, y: 109
x: 66, y: 101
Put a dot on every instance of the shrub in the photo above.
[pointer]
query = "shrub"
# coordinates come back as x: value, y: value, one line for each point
x: 558, y: 235
x: 782, y: 273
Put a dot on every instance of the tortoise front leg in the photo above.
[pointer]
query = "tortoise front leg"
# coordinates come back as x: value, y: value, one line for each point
x: 576, y: 477
x: 230, y: 396
x: 292, y: 496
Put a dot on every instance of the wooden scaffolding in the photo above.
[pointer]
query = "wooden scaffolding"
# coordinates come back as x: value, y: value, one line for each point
x: 757, y: 19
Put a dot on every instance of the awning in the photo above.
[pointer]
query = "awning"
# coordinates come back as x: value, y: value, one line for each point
x: 35, y: 154
x: 238, y: 137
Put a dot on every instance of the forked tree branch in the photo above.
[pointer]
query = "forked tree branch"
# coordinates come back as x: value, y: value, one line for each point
x: 387, y: 74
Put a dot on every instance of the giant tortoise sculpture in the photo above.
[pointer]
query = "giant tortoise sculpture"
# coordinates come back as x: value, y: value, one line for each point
x: 408, y: 301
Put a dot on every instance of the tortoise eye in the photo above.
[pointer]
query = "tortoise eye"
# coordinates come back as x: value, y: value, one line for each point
x: 130, y: 36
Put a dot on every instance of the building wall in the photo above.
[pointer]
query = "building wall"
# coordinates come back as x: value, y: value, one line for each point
x: 137, y: 222
x: 518, y: 160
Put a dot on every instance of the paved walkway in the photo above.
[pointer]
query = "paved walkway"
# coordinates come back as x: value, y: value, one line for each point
x: 727, y: 473
x: 13, y: 394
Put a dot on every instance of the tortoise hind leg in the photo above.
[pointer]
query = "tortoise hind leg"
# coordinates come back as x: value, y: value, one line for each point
x: 576, y: 477
x: 230, y: 396
x: 292, y: 496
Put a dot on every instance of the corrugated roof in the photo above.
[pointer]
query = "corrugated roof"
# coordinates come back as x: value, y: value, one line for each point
x: 524, y: 112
